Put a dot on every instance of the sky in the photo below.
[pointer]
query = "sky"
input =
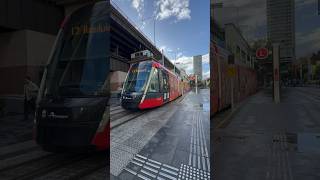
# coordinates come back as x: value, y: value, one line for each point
x: 182, y: 27
x: 251, y: 16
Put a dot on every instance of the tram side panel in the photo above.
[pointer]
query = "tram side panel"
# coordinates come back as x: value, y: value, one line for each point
x: 173, y: 90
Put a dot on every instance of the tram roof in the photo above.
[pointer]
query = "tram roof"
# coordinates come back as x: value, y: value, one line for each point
x: 154, y: 61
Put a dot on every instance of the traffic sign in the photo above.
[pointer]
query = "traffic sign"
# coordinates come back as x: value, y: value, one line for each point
x: 262, y: 53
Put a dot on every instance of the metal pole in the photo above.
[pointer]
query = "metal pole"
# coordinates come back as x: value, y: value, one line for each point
x: 174, y: 64
x: 232, y: 98
x: 154, y: 31
x: 276, y: 87
x: 162, y: 59
x: 219, y: 83
x: 196, y: 84
x: 301, y: 72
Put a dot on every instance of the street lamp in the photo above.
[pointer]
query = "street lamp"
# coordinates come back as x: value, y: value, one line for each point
x: 175, y: 58
x: 154, y: 26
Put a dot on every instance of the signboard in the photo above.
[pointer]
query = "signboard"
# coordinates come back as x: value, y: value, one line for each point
x: 262, y: 53
x: 231, y: 71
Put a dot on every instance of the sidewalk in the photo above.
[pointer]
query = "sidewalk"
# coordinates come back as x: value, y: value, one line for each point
x: 172, y: 142
x: 264, y: 140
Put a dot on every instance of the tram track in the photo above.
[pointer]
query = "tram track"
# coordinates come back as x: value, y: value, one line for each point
x: 26, y: 160
x: 61, y: 166
x: 16, y: 149
x: 96, y: 175
x: 119, y: 116
x: 82, y: 166
x: 125, y: 116
x: 21, y: 159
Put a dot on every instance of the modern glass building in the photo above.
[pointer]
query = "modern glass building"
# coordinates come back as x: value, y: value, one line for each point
x: 281, y: 27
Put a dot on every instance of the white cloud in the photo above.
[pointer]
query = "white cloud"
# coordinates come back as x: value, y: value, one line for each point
x: 205, y: 58
x: 186, y: 63
x: 308, y: 42
x: 206, y: 75
x: 173, y: 8
x: 138, y: 5
x: 163, y: 48
x: 249, y: 15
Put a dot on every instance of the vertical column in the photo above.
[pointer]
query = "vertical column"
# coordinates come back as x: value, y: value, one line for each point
x: 276, y: 86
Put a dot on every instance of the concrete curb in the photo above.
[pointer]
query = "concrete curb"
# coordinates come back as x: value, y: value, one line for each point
x: 224, y: 123
x: 227, y: 119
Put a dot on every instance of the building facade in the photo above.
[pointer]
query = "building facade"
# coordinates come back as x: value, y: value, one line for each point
x: 281, y: 27
x: 197, y: 66
x: 238, y: 45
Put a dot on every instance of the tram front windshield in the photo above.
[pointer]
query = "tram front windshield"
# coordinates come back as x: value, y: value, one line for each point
x: 80, y: 62
x: 138, y: 77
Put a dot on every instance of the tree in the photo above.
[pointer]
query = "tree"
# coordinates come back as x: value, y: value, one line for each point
x: 317, y: 72
x: 315, y: 57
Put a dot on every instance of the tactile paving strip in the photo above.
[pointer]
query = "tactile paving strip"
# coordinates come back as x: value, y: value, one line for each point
x: 199, y: 156
x: 145, y: 168
x: 129, y: 138
x: 189, y: 173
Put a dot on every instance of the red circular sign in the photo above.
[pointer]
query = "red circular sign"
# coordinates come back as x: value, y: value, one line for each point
x: 262, y: 53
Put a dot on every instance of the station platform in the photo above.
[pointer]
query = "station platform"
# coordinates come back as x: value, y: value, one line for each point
x: 169, y: 142
x: 264, y: 140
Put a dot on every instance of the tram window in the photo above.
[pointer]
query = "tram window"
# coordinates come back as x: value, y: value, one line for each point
x: 165, y: 81
x: 154, y: 82
x: 161, y: 80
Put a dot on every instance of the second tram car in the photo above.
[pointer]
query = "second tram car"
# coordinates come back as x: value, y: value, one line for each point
x: 149, y: 84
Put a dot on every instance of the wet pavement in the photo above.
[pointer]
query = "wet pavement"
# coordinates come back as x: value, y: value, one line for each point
x: 170, y: 142
x: 271, y: 141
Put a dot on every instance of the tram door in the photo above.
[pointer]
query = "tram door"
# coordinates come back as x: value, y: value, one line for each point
x: 165, y: 85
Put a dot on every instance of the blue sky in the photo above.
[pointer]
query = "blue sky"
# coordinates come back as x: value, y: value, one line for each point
x: 182, y: 27
x: 251, y: 15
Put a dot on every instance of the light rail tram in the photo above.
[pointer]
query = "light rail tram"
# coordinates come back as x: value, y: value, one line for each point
x: 72, y: 105
x: 149, y: 84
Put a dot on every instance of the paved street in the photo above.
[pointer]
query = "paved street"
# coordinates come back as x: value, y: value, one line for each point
x: 263, y: 140
x: 170, y: 142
